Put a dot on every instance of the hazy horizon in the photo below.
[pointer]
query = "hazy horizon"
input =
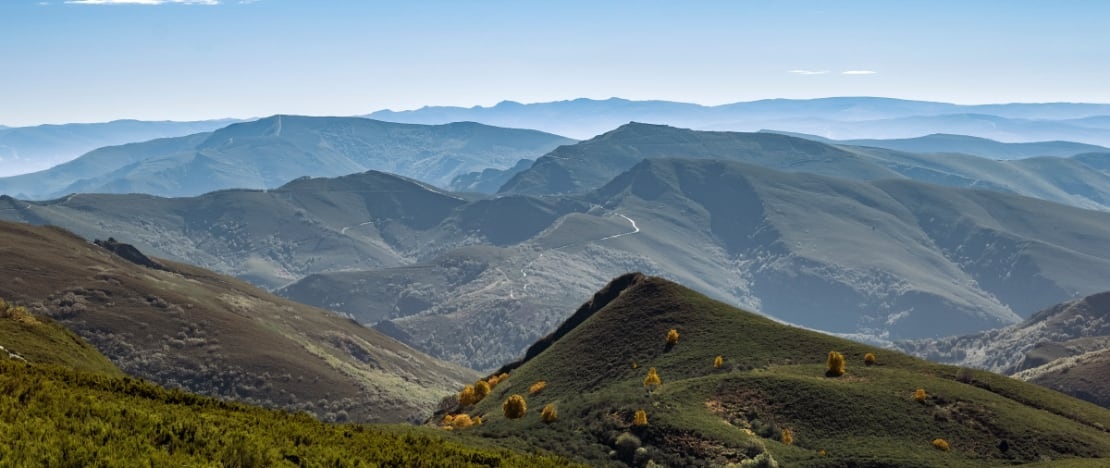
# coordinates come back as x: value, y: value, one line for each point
x: 104, y: 60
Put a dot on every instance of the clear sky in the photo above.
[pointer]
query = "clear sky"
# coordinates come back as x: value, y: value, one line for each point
x: 98, y: 60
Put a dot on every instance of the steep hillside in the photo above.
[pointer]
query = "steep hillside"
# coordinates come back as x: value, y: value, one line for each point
x: 771, y: 379
x: 270, y: 152
x: 182, y: 326
x: 1064, y: 347
x: 1082, y: 181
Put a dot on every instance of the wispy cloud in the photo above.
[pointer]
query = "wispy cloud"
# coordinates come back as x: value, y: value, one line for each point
x: 809, y: 72
x: 859, y: 72
x: 143, y: 2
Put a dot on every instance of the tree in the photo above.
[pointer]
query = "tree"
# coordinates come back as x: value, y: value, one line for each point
x: 718, y: 362
x: 467, y: 396
x: 549, y: 413
x: 672, y: 337
x: 787, y: 436
x: 462, y: 421
x: 652, y: 380
x: 941, y: 444
x: 835, y: 364
x: 640, y: 418
x: 869, y: 359
x: 919, y: 395
x: 481, y: 390
x: 514, y: 407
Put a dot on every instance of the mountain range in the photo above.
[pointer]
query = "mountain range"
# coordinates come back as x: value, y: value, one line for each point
x: 31, y: 149
x: 839, y: 118
x: 888, y: 258
x: 269, y: 152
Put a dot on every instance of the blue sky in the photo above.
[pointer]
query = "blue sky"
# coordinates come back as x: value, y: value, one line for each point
x: 195, y: 59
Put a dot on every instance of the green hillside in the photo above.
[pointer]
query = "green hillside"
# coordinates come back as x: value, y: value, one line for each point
x: 773, y: 378
x: 58, y: 416
x: 26, y: 337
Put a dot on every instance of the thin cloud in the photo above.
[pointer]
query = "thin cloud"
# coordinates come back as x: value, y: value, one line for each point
x: 859, y: 72
x: 808, y: 72
x: 143, y: 2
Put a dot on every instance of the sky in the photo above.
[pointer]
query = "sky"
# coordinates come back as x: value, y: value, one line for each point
x: 100, y: 60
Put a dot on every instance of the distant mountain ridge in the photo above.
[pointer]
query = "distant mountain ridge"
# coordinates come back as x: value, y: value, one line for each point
x: 947, y: 143
x: 30, y: 149
x: 837, y: 117
x: 272, y: 151
x: 1082, y: 180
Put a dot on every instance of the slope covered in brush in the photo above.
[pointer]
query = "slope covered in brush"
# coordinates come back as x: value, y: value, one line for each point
x: 772, y: 378
x: 186, y: 327
x: 59, y: 416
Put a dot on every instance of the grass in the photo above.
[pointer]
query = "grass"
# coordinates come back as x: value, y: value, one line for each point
x: 773, y: 379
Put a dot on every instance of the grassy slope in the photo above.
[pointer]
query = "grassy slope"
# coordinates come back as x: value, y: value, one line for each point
x: 57, y: 416
x: 773, y: 378
x: 41, y: 340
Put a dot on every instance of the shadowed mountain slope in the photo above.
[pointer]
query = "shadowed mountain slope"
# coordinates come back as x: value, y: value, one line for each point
x: 772, y: 378
x: 187, y: 327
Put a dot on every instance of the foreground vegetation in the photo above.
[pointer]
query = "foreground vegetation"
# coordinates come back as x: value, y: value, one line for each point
x: 52, y: 415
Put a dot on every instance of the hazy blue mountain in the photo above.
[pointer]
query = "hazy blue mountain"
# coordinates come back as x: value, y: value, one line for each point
x: 840, y: 117
x: 1080, y: 181
x: 589, y: 164
x: 30, y: 149
x: 272, y: 151
x: 947, y: 143
x: 489, y: 180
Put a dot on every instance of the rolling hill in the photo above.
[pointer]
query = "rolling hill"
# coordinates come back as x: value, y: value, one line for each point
x: 185, y: 327
x: 272, y: 151
x: 30, y: 149
x: 772, y: 378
